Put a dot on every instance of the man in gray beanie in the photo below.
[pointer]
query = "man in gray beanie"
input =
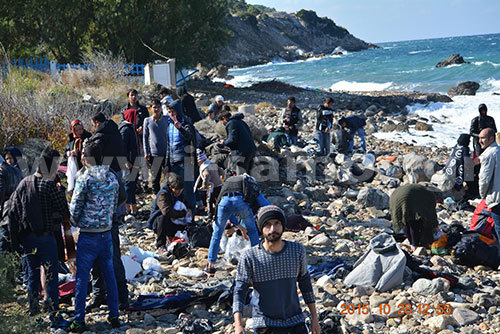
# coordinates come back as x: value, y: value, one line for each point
x: 273, y: 268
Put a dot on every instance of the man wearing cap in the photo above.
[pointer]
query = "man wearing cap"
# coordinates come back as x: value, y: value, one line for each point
x: 273, y: 268
x: 479, y: 123
x: 215, y: 108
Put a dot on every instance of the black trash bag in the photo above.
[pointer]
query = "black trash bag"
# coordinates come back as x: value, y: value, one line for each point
x: 180, y: 250
x: 453, y: 233
x: 329, y: 322
x: 472, y: 251
x: 189, y: 325
x: 200, y: 235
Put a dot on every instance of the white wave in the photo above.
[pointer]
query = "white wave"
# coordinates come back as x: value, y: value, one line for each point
x: 419, y: 51
x: 360, y: 86
x: 493, y: 44
x: 339, y: 49
x: 479, y: 63
x: 454, y: 65
x: 454, y: 119
x: 490, y: 84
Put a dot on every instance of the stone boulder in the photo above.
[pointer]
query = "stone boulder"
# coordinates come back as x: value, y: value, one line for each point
x: 464, y: 88
x: 370, y: 196
x: 31, y: 149
x: 418, y: 168
x: 220, y: 71
x: 452, y: 60
x: 421, y: 126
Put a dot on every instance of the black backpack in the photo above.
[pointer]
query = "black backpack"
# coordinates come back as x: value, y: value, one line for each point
x: 472, y: 251
x: 251, y: 189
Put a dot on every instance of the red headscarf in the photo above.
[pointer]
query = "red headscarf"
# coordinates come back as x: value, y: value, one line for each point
x: 78, y: 141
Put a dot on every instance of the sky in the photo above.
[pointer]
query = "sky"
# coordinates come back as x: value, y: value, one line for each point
x: 378, y: 21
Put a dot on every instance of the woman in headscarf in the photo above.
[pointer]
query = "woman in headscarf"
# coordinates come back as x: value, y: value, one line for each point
x: 75, y: 141
x: 131, y: 148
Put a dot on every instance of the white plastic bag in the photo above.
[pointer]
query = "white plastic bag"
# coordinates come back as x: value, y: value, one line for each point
x: 71, y: 172
x: 151, y: 263
x: 132, y: 268
x: 235, y: 247
x: 190, y: 272
x: 138, y: 254
x: 179, y: 206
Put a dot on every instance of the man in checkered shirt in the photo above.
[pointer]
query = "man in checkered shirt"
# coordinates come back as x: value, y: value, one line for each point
x: 273, y: 268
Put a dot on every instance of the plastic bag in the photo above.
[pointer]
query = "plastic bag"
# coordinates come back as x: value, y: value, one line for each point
x: 132, y: 268
x: 369, y: 160
x: 235, y: 247
x: 151, y: 263
x: 71, y: 172
x: 190, y: 272
x: 179, y: 206
x: 139, y: 254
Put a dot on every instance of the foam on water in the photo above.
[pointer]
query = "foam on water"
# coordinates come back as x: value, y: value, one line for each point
x: 354, y: 86
x: 419, y: 51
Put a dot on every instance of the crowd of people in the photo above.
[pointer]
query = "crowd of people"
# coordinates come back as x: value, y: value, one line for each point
x: 115, y: 162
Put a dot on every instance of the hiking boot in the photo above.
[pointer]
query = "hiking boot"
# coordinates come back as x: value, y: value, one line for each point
x: 94, y: 303
x: 209, y: 270
x: 77, y: 327
x: 114, y: 322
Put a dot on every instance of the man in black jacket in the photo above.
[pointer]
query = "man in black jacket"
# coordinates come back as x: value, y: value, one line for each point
x: 479, y: 123
x: 108, y: 136
x: 324, y: 122
x: 188, y: 104
x: 240, y: 141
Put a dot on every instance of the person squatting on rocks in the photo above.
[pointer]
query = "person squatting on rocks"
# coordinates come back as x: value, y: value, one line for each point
x: 75, y: 141
x: 35, y: 214
x: 155, y: 143
x: 164, y: 212
x: 240, y: 141
x: 273, y: 268
x: 278, y: 138
x: 292, y: 120
x: 489, y: 178
x: 142, y: 114
x: 231, y: 204
x: 355, y: 124
x: 131, y: 148
x: 93, y: 203
x: 479, y: 123
x: 324, y: 122
x: 216, y: 108
x: 413, y: 211
x: 181, y: 150
x: 210, y: 177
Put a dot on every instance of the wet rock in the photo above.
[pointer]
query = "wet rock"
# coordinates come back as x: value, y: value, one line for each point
x: 464, y: 88
x: 370, y: 196
x: 464, y: 316
x: 421, y: 126
x: 452, y: 60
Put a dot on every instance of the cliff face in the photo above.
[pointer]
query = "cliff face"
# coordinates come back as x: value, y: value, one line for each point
x: 262, y: 38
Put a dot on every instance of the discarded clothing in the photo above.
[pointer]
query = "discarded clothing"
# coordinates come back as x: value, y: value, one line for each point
x: 296, y: 223
x: 153, y: 301
x: 382, y: 266
x: 326, y: 268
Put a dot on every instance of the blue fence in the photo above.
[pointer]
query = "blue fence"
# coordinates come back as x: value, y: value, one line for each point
x: 43, y: 64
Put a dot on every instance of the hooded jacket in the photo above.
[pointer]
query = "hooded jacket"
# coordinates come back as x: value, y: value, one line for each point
x: 129, y: 138
x: 381, y: 267
x: 188, y: 105
x: 324, y: 118
x: 142, y: 113
x: 355, y: 122
x: 95, y: 199
x: 239, y: 137
x: 178, y: 139
x: 459, y: 164
x: 479, y: 123
x: 489, y: 180
x: 108, y: 136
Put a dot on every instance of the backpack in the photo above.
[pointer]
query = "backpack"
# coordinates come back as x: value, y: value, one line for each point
x: 251, y: 189
x: 475, y: 249
x: 481, y: 221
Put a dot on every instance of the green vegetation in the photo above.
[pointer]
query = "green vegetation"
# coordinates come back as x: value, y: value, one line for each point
x: 240, y: 7
x: 190, y: 31
x: 323, y: 24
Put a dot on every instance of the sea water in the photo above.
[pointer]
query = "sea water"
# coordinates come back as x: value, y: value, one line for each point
x: 403, y: 66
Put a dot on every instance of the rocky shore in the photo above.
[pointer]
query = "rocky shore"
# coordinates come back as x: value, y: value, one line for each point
x: 347, y: 216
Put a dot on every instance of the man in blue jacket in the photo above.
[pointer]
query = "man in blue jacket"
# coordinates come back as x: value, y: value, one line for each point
x: 355, y: 124
x: 240, y: 141
x: 181, y: 149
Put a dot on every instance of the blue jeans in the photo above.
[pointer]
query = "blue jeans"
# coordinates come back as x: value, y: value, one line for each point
x: 495, y: 214
x: 229, y: 206
x: 41, y: 250
x: 292, y: 139
x: 361, y: 135
x: 188, y: 192
x: 92, y: 247
x: 323, y: 139
x: 261, y: 201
